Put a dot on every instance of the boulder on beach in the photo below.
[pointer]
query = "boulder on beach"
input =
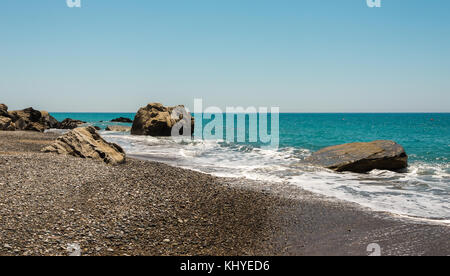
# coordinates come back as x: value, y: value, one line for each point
x: 85, y: 142
x: 122, y: 120
x: 362, y: 157
x: 118, y: 128
x: 157, y: 120
x: 70, y: 123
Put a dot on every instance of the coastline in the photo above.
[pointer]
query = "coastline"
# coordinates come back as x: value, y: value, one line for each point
x: 148, y: 208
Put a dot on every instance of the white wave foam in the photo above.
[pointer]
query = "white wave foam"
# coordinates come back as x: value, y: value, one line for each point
x: 423, y: 191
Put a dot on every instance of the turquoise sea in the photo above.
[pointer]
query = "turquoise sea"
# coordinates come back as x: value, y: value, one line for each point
x: 423, y: 191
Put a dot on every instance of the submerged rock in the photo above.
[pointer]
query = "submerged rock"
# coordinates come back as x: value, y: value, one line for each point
x: 156, y: 120
x: 122, y: 120
x: 362, y: 157
x: 70, y: 124
x: 118, y: 128
x: 85, y: 142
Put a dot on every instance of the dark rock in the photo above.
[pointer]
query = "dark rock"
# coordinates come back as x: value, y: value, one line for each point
x: 70, y: 123
x: 156, y: 120
x: 29, y: 119
x: 48, y: 120
x: 4, y: 111
x: 122, y: 120
x: 7, y: 124
x: 85, y: 142
x: 362, y: 157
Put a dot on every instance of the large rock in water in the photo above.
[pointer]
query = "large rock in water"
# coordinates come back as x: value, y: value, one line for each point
x: 362, y: 157
x: 85, y: 142
x: 156, y: 120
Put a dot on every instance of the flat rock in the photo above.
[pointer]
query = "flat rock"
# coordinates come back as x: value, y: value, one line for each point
x: 362, y: 157
x: 85, y: 142
x: 118, y: 128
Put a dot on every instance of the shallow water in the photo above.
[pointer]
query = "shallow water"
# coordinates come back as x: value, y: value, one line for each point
x: 422, y: 191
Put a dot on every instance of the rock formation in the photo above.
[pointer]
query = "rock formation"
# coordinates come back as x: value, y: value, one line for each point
x: 85, y: 142
x: 156, y: 120
x: 27, y: 119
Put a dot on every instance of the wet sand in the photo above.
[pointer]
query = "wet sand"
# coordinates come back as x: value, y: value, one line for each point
x: 146, y: 208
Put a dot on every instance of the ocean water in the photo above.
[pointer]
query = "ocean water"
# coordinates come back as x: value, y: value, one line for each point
x: 423, y: 191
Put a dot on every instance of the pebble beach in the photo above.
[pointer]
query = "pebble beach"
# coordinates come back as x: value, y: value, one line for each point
x: 49, y: 202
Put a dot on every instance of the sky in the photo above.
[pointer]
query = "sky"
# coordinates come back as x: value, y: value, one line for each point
x: 299, y: 55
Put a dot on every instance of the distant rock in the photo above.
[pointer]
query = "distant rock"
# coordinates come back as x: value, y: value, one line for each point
x: 362, y: 157
x: 118, y: 128
x: 70, y: 124
x: 122, y: 120
x: 156, y: 120
x: 85, y: 142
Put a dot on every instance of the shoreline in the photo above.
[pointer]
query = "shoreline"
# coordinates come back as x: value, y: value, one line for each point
x: 149, y: 208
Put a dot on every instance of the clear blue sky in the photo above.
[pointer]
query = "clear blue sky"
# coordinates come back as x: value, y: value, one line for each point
x: 300, y: 55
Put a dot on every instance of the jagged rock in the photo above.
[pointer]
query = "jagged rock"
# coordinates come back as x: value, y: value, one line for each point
x: 362, y: 157
x: 4, y: 111
x: 7, y: 124
x: 156, y: 120
x: 27, y: 119
x: 85, y: 142
x: 122, y: 120
x: 70, y: 124
x: 118, y: 128
x: 48, y: 120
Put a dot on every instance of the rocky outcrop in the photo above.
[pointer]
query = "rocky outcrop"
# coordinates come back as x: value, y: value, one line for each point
x: 122, y: 120
x: 118, y: 128
x: 7, y: 124
x: 156, y: 120
x: 70, y: 124
x: 48, y: 120
x: 27, y: 119
x: 85, y: 142
x: 362, y: 157
x: 4, y: 111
